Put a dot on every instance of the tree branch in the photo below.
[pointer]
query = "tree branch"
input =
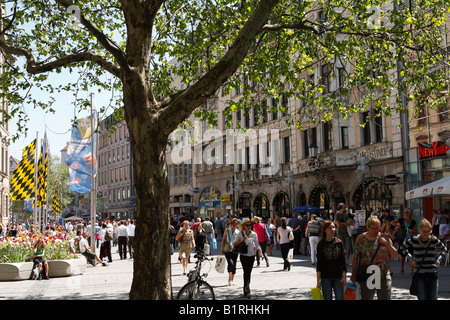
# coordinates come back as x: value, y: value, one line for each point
x: 107, y: 43
x: 34, y: 67
x: 180, y: 105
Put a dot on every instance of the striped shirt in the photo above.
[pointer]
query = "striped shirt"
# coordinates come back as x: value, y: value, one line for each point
x: 415, y: 249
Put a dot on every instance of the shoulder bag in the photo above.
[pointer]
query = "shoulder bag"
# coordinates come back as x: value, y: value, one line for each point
x: 228, y: 247
x: 413, y: 287
x: 242, y: 247
x: 361, y: 272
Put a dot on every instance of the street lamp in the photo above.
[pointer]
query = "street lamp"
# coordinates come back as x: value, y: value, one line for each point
x: 289, y: 180
x: 237, y: 187
x: 363, y: 168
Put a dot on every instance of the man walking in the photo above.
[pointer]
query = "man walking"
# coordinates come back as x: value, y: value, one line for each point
x: 131, y: 227
x: 209, y: 229
x: 122, y: 239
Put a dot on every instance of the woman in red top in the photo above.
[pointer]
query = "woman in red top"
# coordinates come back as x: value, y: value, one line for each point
x: 259, y: 229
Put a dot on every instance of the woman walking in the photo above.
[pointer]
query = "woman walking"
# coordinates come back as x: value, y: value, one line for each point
x: 283, y: 240
x: 372, y: 248
x: 186, y: 237
x: 229, y: 237
x: 260, y: 229
x: 247, y: 259
x: 424, y: 262
x: 406, y: 228
x: 331, y: 267
x: 313, y: 233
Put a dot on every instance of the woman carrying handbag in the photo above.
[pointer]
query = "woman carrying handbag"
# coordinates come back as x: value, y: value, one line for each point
x: 229, y: 236
x: 249, y: 237
x: 373, y: 249
x: 424, y: 261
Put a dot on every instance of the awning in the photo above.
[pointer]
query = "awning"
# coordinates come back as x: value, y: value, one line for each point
x: 434, y: 189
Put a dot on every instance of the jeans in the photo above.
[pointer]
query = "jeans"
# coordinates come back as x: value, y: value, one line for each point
x: 247, y: 266
x: 384, y: 293
x: 231, y: 261
x: 313, y: 241
x: 285, y: 247
x: 330, y: 284
x: 427, y: 287
x: 263, y: 246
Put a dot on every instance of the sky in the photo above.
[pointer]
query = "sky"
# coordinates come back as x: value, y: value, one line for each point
x: 57, y: 125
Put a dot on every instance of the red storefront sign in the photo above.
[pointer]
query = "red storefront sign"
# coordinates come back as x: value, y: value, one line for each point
x: 436, y: 149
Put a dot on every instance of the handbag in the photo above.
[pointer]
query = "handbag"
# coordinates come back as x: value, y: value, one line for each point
x: 291, y: 239
x: 241, y: 248
x: 220, y: 264
x: 413, y: 287
x: 228, y: 247
x: 206, y: 249
x: 266, y: 233
x: 316, y: 294
x: 361, y: 272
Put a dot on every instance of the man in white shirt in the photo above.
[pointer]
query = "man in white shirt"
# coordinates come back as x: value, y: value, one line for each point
x: 122, y: 239
x: 131, y: 228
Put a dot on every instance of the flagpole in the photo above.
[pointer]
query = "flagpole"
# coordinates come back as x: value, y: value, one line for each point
x: 35, y: 184
x: 46, y: 147
x: 93, y: 191
x: 37, y: 192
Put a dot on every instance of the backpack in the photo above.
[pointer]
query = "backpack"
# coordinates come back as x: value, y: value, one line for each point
x: 109, y: 235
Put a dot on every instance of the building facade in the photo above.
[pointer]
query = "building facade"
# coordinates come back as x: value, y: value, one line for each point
x: 115, y: 188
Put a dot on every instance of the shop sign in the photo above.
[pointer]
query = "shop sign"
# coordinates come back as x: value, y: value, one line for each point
x: 435, y: 149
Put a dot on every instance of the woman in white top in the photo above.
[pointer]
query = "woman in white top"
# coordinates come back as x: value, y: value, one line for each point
x: 283, y: 240
x: 247, y: 259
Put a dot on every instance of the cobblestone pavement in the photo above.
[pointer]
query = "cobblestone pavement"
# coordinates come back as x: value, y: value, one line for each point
x: 267, y: 283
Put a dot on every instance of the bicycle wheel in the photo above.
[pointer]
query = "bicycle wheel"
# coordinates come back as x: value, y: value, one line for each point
x: 194, y: 290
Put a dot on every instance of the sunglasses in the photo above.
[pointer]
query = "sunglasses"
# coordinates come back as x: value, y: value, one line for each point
x: 248, y: 225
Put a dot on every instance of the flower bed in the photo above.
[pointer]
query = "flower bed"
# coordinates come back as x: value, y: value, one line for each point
x: 16, y: 253
x: 20, y: 248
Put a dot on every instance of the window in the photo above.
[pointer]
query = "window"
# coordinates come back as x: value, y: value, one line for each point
x: 379, y: 129
x: 305, y: 143
x: 287, y: 150
x: 274, y: 109
x: 264, y: 111
x: 344, y: 137
x: 325, y: 78
x: 366, y: 130
x: 341, y: 77
x: 284, y: 105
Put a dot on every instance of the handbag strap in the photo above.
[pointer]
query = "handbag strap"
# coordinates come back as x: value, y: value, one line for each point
x: 424, y: 255
x: 373, y: 258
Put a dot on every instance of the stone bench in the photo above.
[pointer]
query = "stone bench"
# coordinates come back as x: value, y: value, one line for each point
x: 56, y: 268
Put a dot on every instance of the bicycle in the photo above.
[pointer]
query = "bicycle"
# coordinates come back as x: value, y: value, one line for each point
x: 197, y: 288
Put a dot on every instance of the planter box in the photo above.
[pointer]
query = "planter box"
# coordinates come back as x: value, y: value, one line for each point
x: 56, y: 268
x: 65, y: 268
x: 15, y: 271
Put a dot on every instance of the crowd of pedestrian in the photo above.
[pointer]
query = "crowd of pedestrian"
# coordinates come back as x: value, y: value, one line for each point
x: 335, y: 246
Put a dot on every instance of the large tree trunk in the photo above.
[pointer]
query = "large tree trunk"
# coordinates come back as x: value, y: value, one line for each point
x: 152, y: 269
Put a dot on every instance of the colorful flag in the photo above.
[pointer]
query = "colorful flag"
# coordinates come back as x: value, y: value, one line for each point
x: 80, y: 157
x: 56, y: 203
x: 42, y: 177
x: 22, y: 183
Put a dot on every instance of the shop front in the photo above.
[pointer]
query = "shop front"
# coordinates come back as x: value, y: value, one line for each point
x: 434, y: 168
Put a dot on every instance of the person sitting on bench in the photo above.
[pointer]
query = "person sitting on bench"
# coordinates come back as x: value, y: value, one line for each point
x: 38, y: 258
